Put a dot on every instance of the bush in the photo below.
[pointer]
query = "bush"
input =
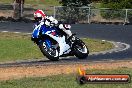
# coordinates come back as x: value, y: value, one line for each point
x: 70, y: 13
x: 115, y: 5
x: 75, y: 3
x: 112, y: 14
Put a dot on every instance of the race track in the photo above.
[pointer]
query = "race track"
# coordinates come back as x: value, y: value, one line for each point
x: 118, y: 33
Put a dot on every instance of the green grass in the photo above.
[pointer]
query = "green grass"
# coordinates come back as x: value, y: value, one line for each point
x: 35, y: 2
x: 65, y: 81
x: 20, y: 47
x: 45, y: 5
x: 17, y: 47
x: 95, y: 45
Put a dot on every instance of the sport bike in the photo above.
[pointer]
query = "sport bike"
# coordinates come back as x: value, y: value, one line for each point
x: 54, y: 44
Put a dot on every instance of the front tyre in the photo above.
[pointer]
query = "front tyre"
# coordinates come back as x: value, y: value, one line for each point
x: 51, y: 53
x: 80, y: 49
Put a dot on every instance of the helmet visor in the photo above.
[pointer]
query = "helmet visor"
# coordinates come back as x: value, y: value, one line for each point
x: 38, y: 18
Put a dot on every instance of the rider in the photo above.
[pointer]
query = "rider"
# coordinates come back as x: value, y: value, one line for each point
x: 40, y: 17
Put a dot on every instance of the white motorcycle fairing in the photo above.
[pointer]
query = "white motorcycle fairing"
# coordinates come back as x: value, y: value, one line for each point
x: 64, y: 48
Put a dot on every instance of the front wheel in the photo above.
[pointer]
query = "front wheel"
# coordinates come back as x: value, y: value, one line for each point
x: 80, y: 49
x: 50, y: 53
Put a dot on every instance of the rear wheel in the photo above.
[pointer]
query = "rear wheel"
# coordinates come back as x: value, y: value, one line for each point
x: 80, y: 49
x: 51, y: 53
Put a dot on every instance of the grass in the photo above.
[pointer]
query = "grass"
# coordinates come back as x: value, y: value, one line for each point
x: 45, y: 5
x: 34, y: 2
x: 20, y: 47
x: 65, y: 81
x: 95, y: 45
x: 17, y: 47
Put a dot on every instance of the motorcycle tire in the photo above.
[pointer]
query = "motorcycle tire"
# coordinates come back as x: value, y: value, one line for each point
x: 80, y: 49
x: 45, y: 53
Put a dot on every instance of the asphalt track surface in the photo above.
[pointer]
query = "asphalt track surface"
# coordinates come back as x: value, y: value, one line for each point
x: 118, y: 33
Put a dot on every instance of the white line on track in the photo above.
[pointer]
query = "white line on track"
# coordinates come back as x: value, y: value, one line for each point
x: 4, y: 31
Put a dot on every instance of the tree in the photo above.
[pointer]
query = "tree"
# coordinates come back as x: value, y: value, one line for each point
x: 70, y: 12
x: 117, y: 4
x: 115, y: 8
x: 76, y: 3
x: 18, y: 6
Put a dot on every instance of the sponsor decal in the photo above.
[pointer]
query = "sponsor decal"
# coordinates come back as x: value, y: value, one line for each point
x: 102, y: 78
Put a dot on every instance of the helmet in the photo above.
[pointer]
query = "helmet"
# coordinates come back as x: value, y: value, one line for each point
x: 39, y: 15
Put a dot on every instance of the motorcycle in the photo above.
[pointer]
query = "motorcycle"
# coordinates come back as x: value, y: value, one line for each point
x: 54, y: 44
